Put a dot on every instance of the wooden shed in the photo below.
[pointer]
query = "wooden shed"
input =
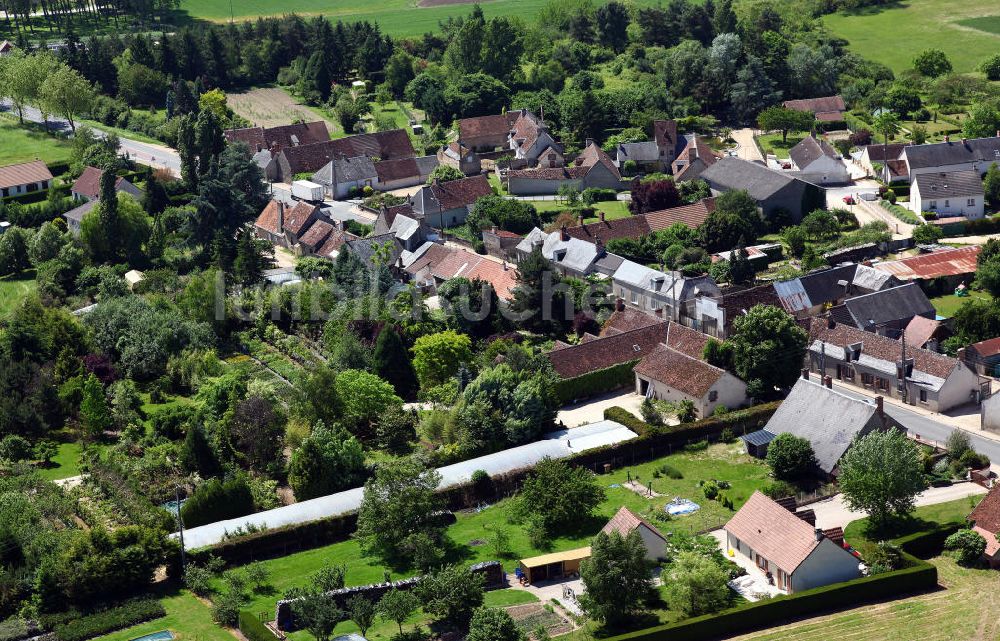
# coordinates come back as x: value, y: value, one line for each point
x: 556, y: 565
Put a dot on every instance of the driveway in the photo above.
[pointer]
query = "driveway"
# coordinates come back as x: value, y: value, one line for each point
x: 833, y: 512
x: 592, y: 410
x: 746, y: 146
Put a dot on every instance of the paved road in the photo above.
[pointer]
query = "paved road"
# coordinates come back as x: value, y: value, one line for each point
x: 927, y: 427
x: 747, y: 149
x: 148, y: 154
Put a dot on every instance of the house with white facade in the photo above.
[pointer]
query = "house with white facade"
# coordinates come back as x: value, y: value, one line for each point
x: 794, y: 554
x: 625, y: 521
x: 975, y: 154
x: 669, y: 374
x: 24, y: 178
x: 671, y: 295
x: 570, y: 256
x: 818, y: 163
x: 954, y: 193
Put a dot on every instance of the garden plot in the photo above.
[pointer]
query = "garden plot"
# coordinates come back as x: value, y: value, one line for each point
x: 271, y: 107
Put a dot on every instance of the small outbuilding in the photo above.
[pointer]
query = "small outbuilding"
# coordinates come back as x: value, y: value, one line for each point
x: 756, y: 442
x: 626, y: 521
x: 554, y: 566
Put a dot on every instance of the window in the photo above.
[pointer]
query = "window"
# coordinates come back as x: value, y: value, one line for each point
x: 923, y: 396
x: 635, y: 298
x: 947, y: 203
x: 882, y: 384
x: 31, y: 187
x: 970, y: 202
x: 932, y: 204
x: 848, y: 373
x: 713, y: 396
x: 867, y: 379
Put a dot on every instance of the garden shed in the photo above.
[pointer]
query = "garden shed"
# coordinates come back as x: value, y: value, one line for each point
x: 757, y: 442
x: 553, y: 566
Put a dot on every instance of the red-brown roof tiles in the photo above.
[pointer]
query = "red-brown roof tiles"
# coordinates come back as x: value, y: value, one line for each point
x: 334, y: 242
x: 773, y: 532
x: 686, y: 340
x: 625, y: 520
x: 610, y: 350
x: 628, y: 319
x: 679, y: 371
x: 986, y: 517
x: 454, y: 194
x: 986, y: 348
x: 278, y: 138
x: 399, y: 169
x: 605, y: 230
x: 384, y: 145
x: 496, y: 126
x: 316, y: 235
x: 24, y: 173
x: 827, y: 105
x: 693, y: 215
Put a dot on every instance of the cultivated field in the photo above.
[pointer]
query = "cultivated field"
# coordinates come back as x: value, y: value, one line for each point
x: 272, y: 106
x: 396, y: 17
x: 967, y: 30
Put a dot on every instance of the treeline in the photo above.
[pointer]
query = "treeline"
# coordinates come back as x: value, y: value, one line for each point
x: 26, y: 17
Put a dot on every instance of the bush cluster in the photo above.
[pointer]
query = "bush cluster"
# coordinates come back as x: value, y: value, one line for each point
x: 123, y: 616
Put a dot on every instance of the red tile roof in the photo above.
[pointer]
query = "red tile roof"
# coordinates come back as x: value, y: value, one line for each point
x: 24, y: 173
x: 495, y: 126
x: 594, y: 155
x: 278, y: 138
x: 334, y: 242
x: 454, y: 194
x: 665, y: 133
x: 297, y: 218
x: 384, y: 145
x: 677, y: 370
x: 693, y: 215
x: 920, y: 330
x: 625, y: 520
x: 628, y: 319
x: 527, y: 128
x: 609, y: 350
x: 686, y: 340
x: 398, y: 169
x: 985, y: 348
x: 986, y: 517
x: 628, y: 227
x: 317, y: 234
x: 773, y: 532
x: 549, y: 173
x: 501, y: 277
x: 947, y: 262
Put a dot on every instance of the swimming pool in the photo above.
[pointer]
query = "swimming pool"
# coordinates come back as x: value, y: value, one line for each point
x: 162, y: 635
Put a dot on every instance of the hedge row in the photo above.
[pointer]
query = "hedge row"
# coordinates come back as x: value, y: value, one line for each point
x: 919, y: 576
x: 117, y: 618
x: 253, y: 629
x: 737, y: 420
x: 596, y: 382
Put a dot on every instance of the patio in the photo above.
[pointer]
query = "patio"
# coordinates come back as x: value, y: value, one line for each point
x: 754, y: 584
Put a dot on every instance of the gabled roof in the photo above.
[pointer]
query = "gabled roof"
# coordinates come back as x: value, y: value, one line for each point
x: 693, y: 215
x: 606, y: 351
x: 696, y: 149
x: 943, y: 154
x: 384, y: 145
x: 920, y: 330
x: 297, y: 218
x: 987, y: 348
x: 317, y: 234
x: 605, y: 230
x: 986, y: 518
x: 334, y: 242
x: 464, y: 192
x: 809, y: 150
x: 77, y: 213
x: 24, y: 173
x: 874, y: 279
x: 946, y: 262
x: 686, y: 340
x: 625, y: 520
x: 494, y: 126
x: 815, y: 288
x: 346, y: 170
x: 89, y: 184
x: 399, y: 169
x: 278, y: 138
x: 594, y: 155
x: 550, y: 173
x: 737, y: 303
x: 526, y: 129
x: 647, y: 151
x: 829, y: 420
x: 759, y: 181
x: 773, y: 532
x: 825, y: 105
x: 628, y: 319
x: 681, y: 372
x: 365, y: 248
x: 903, y: 302
x: 952, y: 184
x: 881, y: 153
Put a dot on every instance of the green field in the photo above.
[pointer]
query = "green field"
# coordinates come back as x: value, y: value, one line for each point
x: 395, y: 17
x: 947, y: 305
x: 967, y: 31
x: 612, y: 209
x: 773, y: 144
x: 187, y: 617
x: 14, y: 290
x: 23, y: 145
x: 65, y: 463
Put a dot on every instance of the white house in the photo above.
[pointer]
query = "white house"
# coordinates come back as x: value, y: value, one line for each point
x: 955, y: 193
x: 991, y: 413
x: 671, y: 375
x: 976, y: 154
x: 24, y: 178
x: 819, y: 163
x: 625, y: 521
x: 793, y: 553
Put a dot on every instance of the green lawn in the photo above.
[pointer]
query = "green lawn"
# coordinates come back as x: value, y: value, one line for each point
x: 14, y: 290
x: 947, y: 305
x: 967, y: 31
x: 19, y: 144
x: 187, y: 617
x: 773, y: 144
x: 942, y: 513
x: 64, y: 464
x: 612, y: 209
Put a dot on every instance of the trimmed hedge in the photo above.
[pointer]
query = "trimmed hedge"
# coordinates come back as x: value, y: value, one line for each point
x: 754, y: 417
x: 596, y: 382
x: 253, y: 629
x: 118, y: 618
x: 918, y: 576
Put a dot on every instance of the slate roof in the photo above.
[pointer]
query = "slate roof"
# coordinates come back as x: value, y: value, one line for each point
x: 734, y: 173
x: 893, y: 151
x: 920, y: 330
x: 736, y: 303
x: 693, y: 215
x: 809, y: 150
x: 946, y: 262
x: 77, y: 213
x: 89, y: 184
x: 678, y: 371
x: 815, y: 288
x: 594, y: 155
x: 574, y: 254
x: 955, y: 152
x: 614, y: 349
x: 385, y: 145
x: 758, y: 438
x: 881, y: 348
x: 625, y: 520
x: 646, y: 151
x: 773, y: 532
x: 686, y: 340
x: 903, y: 302
x: 827, y: 107
x: 346, y: 170
x: 829, y: 420
x: 24, y: 173
x: 278, y: 138
x: 986, y: 518
x: 952, y: 184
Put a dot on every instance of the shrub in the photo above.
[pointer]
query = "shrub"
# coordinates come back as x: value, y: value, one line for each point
x: 779, y: 489
x: 790, y: 457
x: 217, y: 501
x: 711, y: 490
x: 596, y: 382
x: 253, y: 629
x: 968, y: 546
x: 974, y: 460
x: 13, y: 629
x: 670, y: 472
x: 126, y: 615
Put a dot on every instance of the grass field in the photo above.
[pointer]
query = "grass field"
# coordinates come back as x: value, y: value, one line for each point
x: 271, y: 106
x: 187, y: 617
x: 772, y: 144
x: 14, y: 290
x: 612, y: 208
x: 947, y: 305
x: 967, y: 31
x: 65, y: 463
x: 19, y: 144
x: 395, y: 17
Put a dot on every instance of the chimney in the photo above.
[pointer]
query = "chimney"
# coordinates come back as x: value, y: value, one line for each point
x: 830, y: 323
x: 620, y: 305
x: 805, y: 374
x: 828, y: 381
x: 600, y: 215
x: 600, y: 246
x: 564, y: 234
x: 963, y: 141
x: 880, y: 405
x: 961, y: 355
x: 819, y: 534
x: 281, y: 216
x: 590, y: 141
x: 493, y: 229
x: 998, y: 133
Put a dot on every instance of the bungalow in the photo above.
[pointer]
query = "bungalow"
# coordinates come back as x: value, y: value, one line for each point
x: 671, y: 375
x: 88, y: 186
x: 487, y: 133
x: 983, y: 357
x: 570, y: 256
x: 829, y: 420
x: 818, y: 163
x: 592, y: 169
x: 826, y: 109
x: 670, y: 295
x: 786, y: 548
x: 975, y: 154
x: 887, y: 312
x: 625, y: 521
x: 956, y: 193
x: 447, y: 204
x: 955, y: 266
x: 24, y: 178
x: 275, y: 139
x: 866, y: 360
x: 774, y: 191
x: 693, y: 215
x: 985, y: 520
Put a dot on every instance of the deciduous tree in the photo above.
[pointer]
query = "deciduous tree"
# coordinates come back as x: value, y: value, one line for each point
x: 881, y: 474
x: 617, y: 581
